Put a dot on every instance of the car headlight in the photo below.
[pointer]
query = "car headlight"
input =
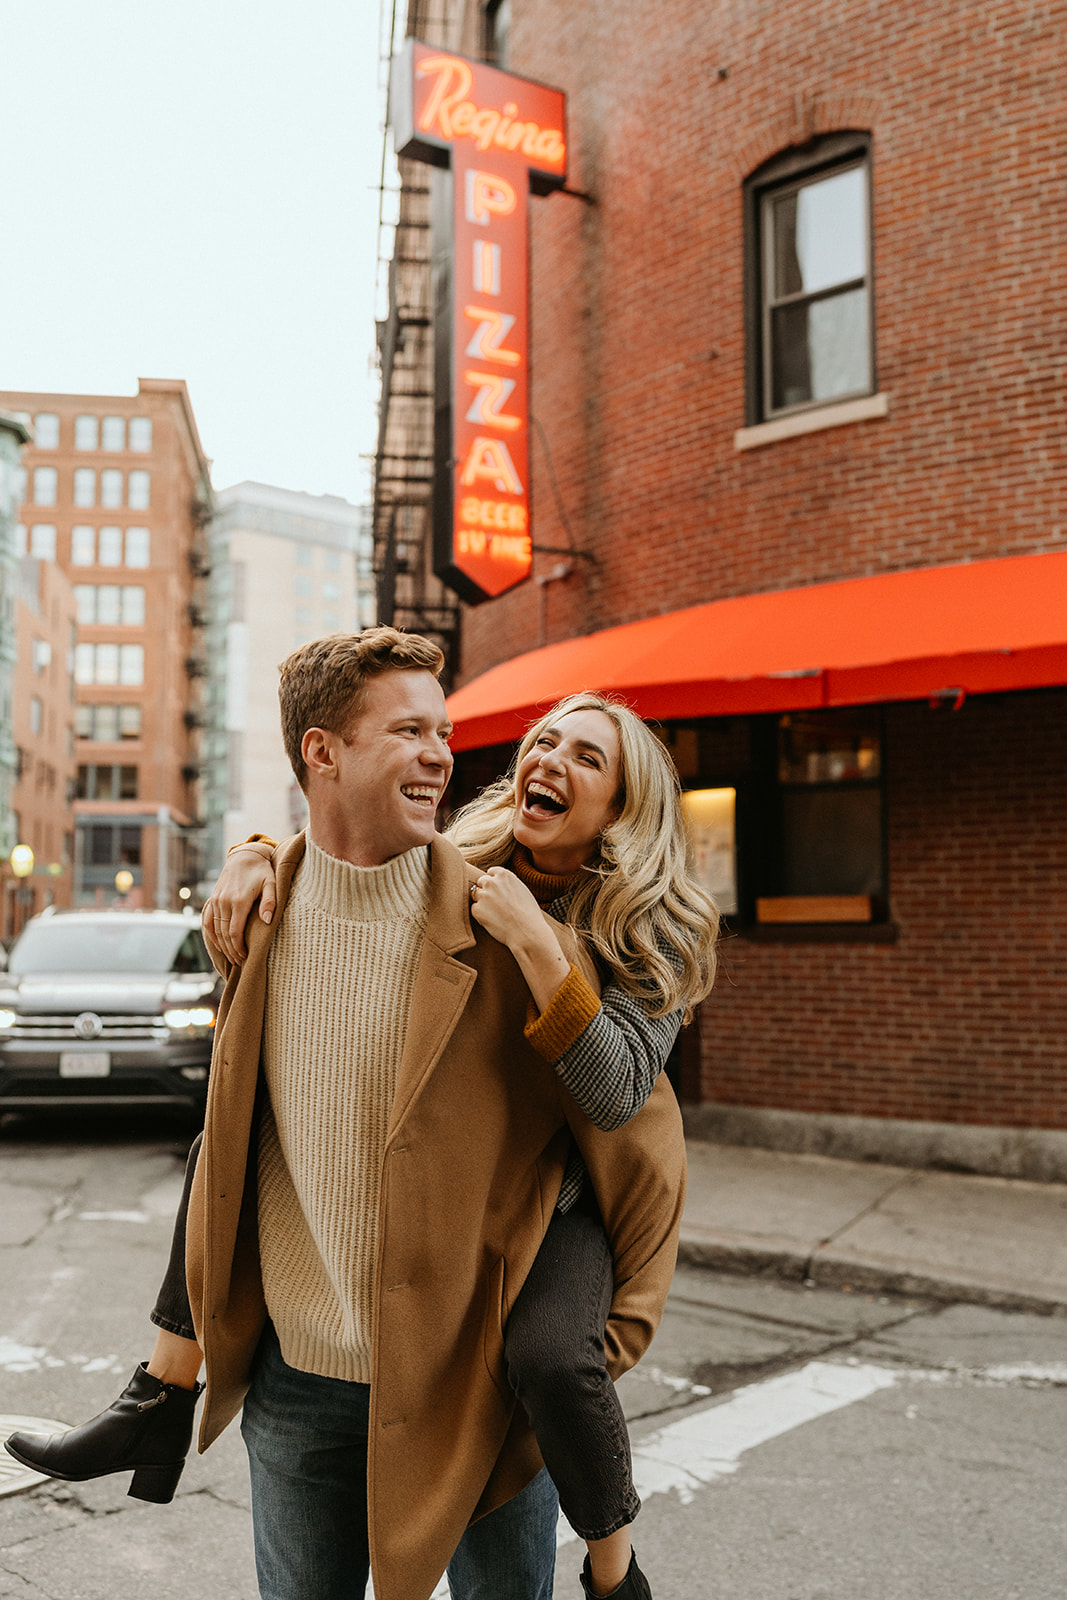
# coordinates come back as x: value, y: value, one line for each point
x: 8, y: 1019
x: 199, y: 1017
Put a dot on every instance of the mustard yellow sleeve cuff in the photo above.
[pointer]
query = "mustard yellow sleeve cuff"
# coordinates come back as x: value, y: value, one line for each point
x: 255, y: 838
x: 565, y: 1018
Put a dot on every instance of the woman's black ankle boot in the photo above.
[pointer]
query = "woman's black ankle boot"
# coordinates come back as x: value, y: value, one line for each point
x: 633, y: 1587
x: 148, y: 1429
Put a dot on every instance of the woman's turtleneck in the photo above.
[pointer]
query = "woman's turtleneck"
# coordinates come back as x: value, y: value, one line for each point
x: 544, y: 886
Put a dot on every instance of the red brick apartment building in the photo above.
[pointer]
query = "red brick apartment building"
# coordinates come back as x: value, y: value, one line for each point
x: 118, y: 496
x: 42, y: 796
x: 798, y: 398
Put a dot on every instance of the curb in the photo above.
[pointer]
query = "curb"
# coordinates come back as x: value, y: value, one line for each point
x: 721, y: 1253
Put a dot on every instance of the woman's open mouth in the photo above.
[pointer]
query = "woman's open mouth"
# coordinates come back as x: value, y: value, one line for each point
x: 541, y: 801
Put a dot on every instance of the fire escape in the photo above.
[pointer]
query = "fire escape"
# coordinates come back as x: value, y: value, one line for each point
x: 409, y: 595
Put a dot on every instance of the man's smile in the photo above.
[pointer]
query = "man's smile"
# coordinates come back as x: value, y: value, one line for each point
x: 425, y: 795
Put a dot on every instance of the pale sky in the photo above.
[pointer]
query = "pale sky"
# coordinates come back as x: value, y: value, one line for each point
x: 189, y: 191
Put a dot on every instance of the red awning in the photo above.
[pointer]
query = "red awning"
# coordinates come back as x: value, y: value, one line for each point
x: 977, y: 627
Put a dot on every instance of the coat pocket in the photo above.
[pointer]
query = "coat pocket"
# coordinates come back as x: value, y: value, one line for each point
x: 493, y: 1329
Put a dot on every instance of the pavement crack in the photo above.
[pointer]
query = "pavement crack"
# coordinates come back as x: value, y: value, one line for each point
x: 208, y: 1493
x: 909, y: 1178
x: 62, y: 1207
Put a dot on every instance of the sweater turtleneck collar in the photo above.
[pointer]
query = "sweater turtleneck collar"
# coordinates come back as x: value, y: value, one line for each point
x: 399, y: 888
x: 544, y: 886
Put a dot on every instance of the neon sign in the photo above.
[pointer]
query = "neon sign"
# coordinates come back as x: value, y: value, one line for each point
x: 498, y: 138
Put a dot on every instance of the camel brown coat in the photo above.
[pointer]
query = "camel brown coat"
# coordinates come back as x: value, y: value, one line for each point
x: 477, y: 1143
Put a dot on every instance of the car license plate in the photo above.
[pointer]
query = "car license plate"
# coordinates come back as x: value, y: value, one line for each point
x: 84, y: 1064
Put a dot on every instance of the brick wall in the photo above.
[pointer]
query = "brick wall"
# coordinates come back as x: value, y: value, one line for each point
x: 637, y: 301
x: 964, y: 1018
x: 639, y: 385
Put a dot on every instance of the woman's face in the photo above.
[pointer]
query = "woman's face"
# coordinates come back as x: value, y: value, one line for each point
x: 568, y: 784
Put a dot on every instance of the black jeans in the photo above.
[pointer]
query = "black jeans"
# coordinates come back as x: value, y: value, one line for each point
x: 554, y: 1351
x: 171, y: 1310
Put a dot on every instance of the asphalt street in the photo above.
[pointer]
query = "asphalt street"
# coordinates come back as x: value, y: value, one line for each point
x: 790, y: 1443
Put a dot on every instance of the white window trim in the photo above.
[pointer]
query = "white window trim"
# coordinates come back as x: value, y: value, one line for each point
x: 865, y: 409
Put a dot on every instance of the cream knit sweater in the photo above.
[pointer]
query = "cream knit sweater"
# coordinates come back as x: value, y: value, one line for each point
x: 341, y: 977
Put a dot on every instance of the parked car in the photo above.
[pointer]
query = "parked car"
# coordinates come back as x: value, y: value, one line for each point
x: 107, y: 1008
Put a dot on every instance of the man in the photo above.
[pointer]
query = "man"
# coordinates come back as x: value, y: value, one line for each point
x: 382, y: 1155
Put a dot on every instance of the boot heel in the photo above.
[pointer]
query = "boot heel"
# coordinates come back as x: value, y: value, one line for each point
x: 156, y: 1484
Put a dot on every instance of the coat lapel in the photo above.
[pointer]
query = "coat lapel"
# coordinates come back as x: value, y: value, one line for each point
x: 442, y: 984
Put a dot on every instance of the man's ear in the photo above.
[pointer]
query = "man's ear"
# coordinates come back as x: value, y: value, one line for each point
x: 317, y: 749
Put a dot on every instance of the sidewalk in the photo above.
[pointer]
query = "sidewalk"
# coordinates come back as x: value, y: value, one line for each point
x: 950, y: 1236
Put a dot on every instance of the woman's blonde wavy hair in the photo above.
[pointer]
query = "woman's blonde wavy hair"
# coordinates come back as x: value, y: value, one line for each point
x: 638, y: 896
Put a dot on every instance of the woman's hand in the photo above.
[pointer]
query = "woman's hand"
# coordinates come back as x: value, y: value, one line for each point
x: 248, y: 874
x: 505, y: 908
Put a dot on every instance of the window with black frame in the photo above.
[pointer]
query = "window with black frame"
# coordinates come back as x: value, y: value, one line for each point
x: 496, y: 26
x: 810, y: 289
x: 825, y: 860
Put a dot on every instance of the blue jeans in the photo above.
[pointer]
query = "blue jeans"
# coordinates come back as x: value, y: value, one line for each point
x: 306, y: 1438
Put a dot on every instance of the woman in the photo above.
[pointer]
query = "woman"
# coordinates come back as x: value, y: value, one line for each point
x: 587, y: 825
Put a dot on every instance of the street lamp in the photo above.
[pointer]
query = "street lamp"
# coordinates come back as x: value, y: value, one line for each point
x: 21, y: 859
x: 123, y: 881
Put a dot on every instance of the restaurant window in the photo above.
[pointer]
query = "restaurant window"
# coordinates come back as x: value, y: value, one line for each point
x: 710, y: 816
x: 821, y: 818
x: 810, y: 321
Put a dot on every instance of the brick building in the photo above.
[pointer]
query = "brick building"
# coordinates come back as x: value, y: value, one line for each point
x: 42, y: 797
x: 117, y: 494
x: 798, y: 390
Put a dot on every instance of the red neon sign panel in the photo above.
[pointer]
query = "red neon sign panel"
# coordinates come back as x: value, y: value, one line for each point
x: 501, y: 136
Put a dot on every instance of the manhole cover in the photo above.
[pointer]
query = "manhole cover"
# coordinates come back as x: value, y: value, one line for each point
x: 13, y: 1475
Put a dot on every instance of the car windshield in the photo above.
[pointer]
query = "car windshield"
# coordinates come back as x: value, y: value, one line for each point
x: 118, y: 947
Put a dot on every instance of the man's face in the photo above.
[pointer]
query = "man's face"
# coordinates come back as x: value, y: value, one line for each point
x: 394, y: 764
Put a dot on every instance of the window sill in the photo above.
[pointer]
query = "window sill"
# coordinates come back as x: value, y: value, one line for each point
x: 814, y: 908
x: 792, y: 427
